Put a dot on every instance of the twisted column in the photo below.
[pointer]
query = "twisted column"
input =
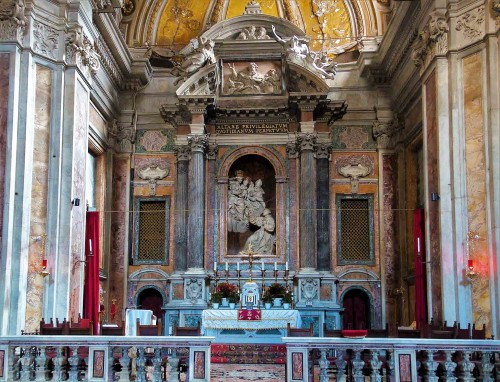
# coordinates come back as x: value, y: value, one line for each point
x: 196, y: 199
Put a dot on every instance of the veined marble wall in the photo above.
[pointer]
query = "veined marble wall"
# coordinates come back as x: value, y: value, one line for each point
x: 39, y: 187
x: 78, y: 220
x: 476, y: 186
x: 433, y: 185
x: 4, y: 105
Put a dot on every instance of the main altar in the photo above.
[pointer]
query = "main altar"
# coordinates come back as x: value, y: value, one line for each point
x: 231, y: 325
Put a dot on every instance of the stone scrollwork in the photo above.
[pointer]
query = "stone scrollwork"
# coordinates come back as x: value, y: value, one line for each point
x: 383, y: 132
x: 152, y: 172
x: 432, y: 40
x: 309, y: 289
x: 471, y: 24
x: 13, y: 10
x: 80, y: 50
x: 495, y: 7
x: 354, y: 172
x: 121, y: 135
x: 194, y: 290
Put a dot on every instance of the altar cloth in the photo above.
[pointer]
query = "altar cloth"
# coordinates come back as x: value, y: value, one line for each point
x: 271, y: 319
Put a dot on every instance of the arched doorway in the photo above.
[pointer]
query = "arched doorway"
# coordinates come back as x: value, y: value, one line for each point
x: 151, y: 299
x: 356, y: 313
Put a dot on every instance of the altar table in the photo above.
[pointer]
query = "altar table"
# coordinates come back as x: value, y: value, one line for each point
x: 225, y: 323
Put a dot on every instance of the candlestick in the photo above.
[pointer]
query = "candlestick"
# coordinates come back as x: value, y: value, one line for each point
x: 275, y: 266
x: 262, y: 265
x: 418, y: 245
x: 215, y: 266
x: 227, y: 266
x: 286, y: 266
x: 238, y: 266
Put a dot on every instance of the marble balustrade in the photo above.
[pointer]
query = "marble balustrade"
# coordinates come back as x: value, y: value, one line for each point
x: 103, y: 358
x: 392, y: 359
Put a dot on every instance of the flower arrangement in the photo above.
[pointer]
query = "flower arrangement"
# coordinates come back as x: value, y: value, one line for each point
x: 267, y: 297
x: 287, y: 297
x: 216, y: 298
x: 229, y: 291
x: 277, y: 290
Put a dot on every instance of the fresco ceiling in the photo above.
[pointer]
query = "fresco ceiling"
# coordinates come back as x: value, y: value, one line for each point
x: 173, y: 23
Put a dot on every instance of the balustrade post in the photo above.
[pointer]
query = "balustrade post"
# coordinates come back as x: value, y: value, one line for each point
x: 486, y: 367
x: 124, y: 363
x: 73, y: 362
x: 431, y: 366
x: 16, y: 364
x: 59, y: 372
x: 357, y: 365
x: 141, y: 365
x: 173, y: 361
x: 467, y: 367
x: 376, y: 364
x: 157, y: 365
x: 323, y: 365
x: 41, y: 361
x: 341, y: 365
x: 450, y: 367
x: 389, y: 355
x: 25, y: 363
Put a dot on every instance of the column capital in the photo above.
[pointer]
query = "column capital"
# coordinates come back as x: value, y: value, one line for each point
x: 183, y: 153
x: 292, y: 150
x: 323, y: 150
x: 306, y: 141
x: 198, y: 142
x: 432, y: 40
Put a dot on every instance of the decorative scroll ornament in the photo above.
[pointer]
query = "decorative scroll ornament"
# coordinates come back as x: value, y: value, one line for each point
x: 432, y: 39
x: 309, y: 290
x: 354, y: 172
x: 193, y: 290
x: 81, y: 52
x: 495, y: 7
x: 122, y: 136
x: 13, y: 10
x: 383, y: 132
x: 471, y: 23
x: 152, y: 172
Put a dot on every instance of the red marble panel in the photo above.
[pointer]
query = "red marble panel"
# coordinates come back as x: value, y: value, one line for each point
x: 4, y: 112
x: 391, y: 258
x: 117, y: 276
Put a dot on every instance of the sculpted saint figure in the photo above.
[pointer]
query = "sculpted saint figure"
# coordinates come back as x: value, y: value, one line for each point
x: 203, y: 55
x: 263, y: 240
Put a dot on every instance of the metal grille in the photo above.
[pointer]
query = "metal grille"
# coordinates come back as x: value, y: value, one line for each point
x: 355, y: 230
x: 151, y: 238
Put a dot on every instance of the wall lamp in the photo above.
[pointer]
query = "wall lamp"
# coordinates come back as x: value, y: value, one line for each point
x: 435, y: 196
x: 75, y: 202
x: 470, y: 272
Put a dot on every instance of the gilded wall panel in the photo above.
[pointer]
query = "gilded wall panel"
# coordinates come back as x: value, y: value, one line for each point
x: 476, y: 186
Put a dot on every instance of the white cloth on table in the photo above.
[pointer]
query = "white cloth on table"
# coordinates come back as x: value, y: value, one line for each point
x: 271, y: 319
x: 131, y: 315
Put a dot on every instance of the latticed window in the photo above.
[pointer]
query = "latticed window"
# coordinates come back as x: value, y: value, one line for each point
x: 151, y: 231
x: 355, y: 229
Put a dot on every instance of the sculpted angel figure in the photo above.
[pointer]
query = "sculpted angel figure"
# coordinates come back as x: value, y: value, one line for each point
x: 294, y: 45
x: 198, y: 58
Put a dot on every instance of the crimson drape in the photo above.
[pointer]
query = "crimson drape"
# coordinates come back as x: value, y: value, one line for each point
x: 419, y: 258
x: 91, y: 287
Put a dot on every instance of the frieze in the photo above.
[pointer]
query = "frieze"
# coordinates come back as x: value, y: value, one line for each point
x: 471, y: 24
x: 108, y: 61
x: 45, y: 40
x: 251, y: 128
x: 352, y: 138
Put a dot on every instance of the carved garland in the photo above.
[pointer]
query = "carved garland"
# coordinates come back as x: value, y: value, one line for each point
x: 471, y: 23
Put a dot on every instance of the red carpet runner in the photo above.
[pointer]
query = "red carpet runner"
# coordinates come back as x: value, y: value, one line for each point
x: 248, y: 353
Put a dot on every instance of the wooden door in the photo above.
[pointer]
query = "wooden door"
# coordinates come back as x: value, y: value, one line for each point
x: 356, y: 310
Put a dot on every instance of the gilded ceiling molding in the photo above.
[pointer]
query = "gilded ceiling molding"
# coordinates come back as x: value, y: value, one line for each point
x: 217, y: 12
x: 291, y: 14
x: 151, y: 19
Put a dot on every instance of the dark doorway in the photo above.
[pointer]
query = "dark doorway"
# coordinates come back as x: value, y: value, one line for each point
x: 356, y: 310
x: 151, y: 299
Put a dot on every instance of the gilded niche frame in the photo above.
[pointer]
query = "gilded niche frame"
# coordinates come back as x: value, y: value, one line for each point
x: 281, y: 179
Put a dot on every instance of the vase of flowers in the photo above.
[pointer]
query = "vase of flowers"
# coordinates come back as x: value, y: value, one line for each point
x: 287, y: 299
x: 228, y: 292
x: 267, y: 299
x: 216, y: 299
x: 277, y: 292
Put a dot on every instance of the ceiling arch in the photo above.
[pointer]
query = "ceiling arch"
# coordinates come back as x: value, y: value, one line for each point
x: 171, y: 24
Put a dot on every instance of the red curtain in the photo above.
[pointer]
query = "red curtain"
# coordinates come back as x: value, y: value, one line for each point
x: 419, y: 257
x: 91, y: 287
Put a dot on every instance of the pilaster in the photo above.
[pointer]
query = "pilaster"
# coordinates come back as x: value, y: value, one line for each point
x: 181, y: 207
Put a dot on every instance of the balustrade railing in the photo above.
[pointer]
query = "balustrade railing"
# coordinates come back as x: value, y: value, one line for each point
x: 100, y: 358
x: 392, y: 359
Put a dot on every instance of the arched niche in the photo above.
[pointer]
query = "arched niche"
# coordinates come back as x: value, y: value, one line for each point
x: 256, y: 163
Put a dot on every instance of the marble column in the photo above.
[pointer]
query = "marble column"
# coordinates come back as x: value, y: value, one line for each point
x: 181, y: 206
x: 307, y: 202
x: 211, y: 199
x: 323, y: 205
x: 196, y: 201
x: 293, y: 155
